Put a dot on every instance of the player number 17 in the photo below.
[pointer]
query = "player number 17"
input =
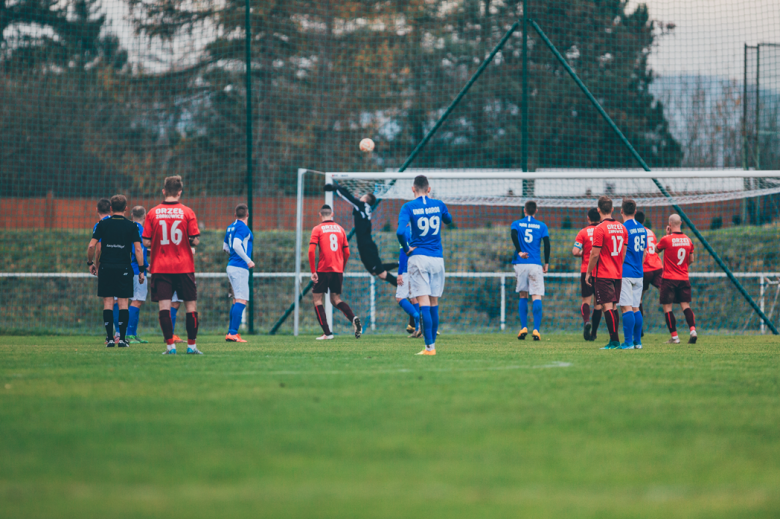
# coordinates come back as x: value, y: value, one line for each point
x: 615, y: 247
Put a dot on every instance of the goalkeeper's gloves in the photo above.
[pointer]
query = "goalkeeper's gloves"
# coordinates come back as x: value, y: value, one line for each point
x: 329, y: 187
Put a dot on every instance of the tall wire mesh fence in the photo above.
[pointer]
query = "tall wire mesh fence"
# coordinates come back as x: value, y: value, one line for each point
x: 104, y: 97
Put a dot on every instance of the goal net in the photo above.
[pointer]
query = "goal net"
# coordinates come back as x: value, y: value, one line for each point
x: 736, y: 211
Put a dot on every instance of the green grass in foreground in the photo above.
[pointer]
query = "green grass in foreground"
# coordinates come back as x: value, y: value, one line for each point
x: 490, y: 427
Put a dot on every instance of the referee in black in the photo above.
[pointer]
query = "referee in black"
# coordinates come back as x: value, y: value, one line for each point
x: 119, y: 239
x: 369, y: 252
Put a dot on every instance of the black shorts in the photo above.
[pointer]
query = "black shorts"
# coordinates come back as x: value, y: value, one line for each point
x: 164, y: 285
x: 369, y: 256
x: 115, y: 281
x: 652, y: 278
x: 328, y: 281
x: 607, y: 290
x: 675, y: 291
x: 586, y: 289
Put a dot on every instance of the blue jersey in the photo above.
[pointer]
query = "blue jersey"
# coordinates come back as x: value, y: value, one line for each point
x: 530, y: 233
x: 403, y: 259
x: 133, y: 262
x: 426, y: 216
x: 635, y: 249
x: 240, y: 230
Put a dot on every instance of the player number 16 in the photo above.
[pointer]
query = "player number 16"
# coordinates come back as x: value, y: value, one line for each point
x: 176, y: 234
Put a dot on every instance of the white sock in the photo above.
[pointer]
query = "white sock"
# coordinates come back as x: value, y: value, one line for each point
x: 171, y: 346
x: 430, y: 347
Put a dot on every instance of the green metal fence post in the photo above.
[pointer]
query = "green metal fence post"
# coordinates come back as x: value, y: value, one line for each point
x: 661, y: 188
x: 249, y: 187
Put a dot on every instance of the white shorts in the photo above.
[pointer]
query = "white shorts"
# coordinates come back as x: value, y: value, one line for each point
x: 239, y: 280
x: 425, y: 276
x: 631, y: 292
x: 140, y: 291
x: 405, y: 290
x: 175, y: 298
x: 530, y: 278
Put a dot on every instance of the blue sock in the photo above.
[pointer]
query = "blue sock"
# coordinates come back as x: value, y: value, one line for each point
x: 409, y: 309
x: 425, y: 312
x: 434, y: 321
x: 537, y: 310
x: 173, y: 319
x: 638, y: 322
x: 132, y: 324
x: 236, y: 312
x: 628, y: 327
x: 417, y: 307
x: 522, y: 309
x: 116, y: 317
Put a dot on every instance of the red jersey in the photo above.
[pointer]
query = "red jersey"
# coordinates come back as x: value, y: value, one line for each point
x: 677, y: 249
x: 584, y: 242
x: 652, y: 260
x: 611, y: 236
x: 334, y: 247
x: 170, y: 226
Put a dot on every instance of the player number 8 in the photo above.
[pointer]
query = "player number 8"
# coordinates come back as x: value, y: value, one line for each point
x: 334, y: 242
x: 425, y: 225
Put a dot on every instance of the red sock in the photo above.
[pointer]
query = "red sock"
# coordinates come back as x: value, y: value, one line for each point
x: 344, y: 307
x: 322, y: 319
x: 671, y: 323
x: 166, y: 325
x: 690, y: 318
x: 585, y: 312
x: 192, y: 327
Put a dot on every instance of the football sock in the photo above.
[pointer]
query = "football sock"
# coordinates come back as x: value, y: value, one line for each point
x: 108, y: 322
x: 690, y: 318
x: 124, y: 317
x: 132, y: 323
x: 596, y: 321
x: 116, y: 316
x: 671, y: 323
x: 166, y: 325
x: 392, y: 279
x: 609, y: 317
x: 346, y: 310
x: 417, y: 322
x: 522, y: 309
x: 389, y: 266
x: 434, y: 321
x: 585, y: 312
x: 425, y: 313
x: 638, y: 323
x: 628, y: 327
x: 192, y: 328
x: 322, y: 319
x: 236, y: 312
x: 173, y: 320
x: 537, y: 311
x: 409, y: 309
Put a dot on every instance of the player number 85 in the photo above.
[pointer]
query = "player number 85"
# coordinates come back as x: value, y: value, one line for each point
x: 639, y: 243
x: 425, y: 225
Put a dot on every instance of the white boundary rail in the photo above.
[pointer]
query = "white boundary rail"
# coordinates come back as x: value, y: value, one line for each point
x: 764, y: 278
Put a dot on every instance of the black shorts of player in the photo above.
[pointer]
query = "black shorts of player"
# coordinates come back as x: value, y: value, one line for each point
x: 164, y: 285
x: 586, y: 289
x: 675, y: 291
x: 115, y: 281
x: 369, y: 256
x: 607, y: 290
x: 652, y: 278
x: 328, y: 281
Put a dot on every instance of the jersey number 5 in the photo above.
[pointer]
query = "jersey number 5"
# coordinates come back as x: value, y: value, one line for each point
x: 529, y: 236
x: 615, y: 247
x: 334, y: 242
x: 176, y: 234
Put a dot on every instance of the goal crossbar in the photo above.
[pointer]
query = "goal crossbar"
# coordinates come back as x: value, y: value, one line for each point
x: 488, y: 174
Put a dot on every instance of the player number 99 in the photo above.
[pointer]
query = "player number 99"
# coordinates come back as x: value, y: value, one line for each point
x: 426, y: 224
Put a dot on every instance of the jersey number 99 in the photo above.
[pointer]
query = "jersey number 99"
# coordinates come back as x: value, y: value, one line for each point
x: 425, y: 224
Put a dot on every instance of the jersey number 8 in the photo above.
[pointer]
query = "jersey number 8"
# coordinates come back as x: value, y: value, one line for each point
x: 334, y: 242
x: 425, y: 224
x: 176, y: 234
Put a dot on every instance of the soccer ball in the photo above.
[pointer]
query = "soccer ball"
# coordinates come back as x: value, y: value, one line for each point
x: 366, y: 145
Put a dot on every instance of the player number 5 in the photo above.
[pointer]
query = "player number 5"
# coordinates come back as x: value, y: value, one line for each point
x: 681, y: 256
x: 176, y: 234
x: 529, y: 236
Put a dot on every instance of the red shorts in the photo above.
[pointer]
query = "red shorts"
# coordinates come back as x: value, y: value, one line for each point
x: 675, y: 291
x: 328, y: 281
x: 652, y: 277
x: 164, y: 285
x: 585, y: 289
x: 607, y: 290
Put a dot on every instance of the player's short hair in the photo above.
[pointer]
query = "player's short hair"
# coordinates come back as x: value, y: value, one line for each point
x: 104, y: 206
x: 675, y: 219
x: 370, y: 199
x: 605, y: 205
x: 594, y: 216
x: 326, y: 210
x: 530, y: 208
x: 241, y: 211
x: 629, y: 207
x: 173, y: 185
x: 118, y: 203
x: 421, y: 183
x: 138, y: 211
x: 639, y: 217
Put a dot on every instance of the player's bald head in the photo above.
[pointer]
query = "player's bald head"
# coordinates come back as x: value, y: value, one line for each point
x: 675, y: 222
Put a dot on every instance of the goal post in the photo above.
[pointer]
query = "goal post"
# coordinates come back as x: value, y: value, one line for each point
x: 485, y: 202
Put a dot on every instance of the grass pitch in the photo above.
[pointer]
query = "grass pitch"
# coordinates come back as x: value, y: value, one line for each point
x: 490, y: 427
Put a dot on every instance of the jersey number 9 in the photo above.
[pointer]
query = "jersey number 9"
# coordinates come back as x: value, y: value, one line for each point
x: 426, y: 224
x: 681, y: 256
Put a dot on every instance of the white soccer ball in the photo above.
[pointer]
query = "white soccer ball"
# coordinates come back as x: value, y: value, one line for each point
x: 366, y: 145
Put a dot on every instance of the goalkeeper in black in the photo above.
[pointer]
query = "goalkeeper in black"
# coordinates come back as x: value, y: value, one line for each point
x: 369, y: 253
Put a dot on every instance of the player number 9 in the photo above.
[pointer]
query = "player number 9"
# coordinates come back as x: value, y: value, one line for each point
x: 425, y: 225
x: 681, y: 256
x: 334, y: 242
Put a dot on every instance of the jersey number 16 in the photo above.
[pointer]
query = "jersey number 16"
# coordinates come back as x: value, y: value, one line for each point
x: 176, y: 234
